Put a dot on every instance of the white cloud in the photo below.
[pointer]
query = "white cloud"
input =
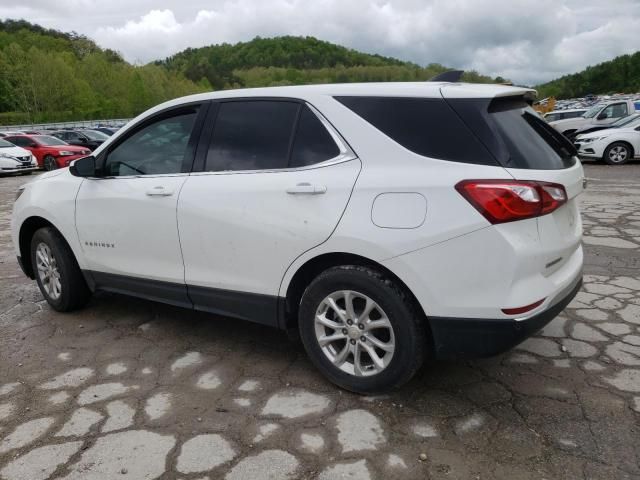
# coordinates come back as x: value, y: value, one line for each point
x: 526, y: 40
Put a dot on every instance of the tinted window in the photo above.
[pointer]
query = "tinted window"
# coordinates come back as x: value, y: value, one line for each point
x: 20, y: 141
x: 155, y: 149
x: 252, y: 135
x: 425, y: 126
x: 313, y: 143
x: 95, y: 135
x: 529, y: 141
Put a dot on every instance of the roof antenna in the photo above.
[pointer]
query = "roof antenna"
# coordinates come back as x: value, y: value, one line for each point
x: 450, y: 76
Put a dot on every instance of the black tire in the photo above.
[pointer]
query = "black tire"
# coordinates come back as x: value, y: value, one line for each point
x: 407, y: 323
x: 49, y: 162
x: 618, y: 153
x: 74, y: 292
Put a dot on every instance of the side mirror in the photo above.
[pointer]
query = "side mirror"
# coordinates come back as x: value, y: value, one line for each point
x: 83, y: 167
x: 602, y: 116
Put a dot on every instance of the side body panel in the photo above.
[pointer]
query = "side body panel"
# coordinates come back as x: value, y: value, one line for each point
x: 51, y: 196
x: 124, y: 228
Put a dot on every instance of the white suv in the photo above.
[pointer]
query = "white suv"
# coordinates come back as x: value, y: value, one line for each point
x: 386, y: 222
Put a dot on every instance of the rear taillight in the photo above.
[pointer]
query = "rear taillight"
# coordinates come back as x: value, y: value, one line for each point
x: 502, y: 201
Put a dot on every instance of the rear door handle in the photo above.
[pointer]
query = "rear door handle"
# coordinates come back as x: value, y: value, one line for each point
x: 306, y: 189
x: 159, y: 191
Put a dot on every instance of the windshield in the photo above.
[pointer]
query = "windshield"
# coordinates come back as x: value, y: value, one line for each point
x: 593, y: 111
x: 5, y: 144
x: 95, y: 135
x: 47, y: 140
x: 626, y: 120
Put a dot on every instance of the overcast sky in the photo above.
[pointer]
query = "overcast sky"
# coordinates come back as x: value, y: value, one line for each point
x: 528, y: 41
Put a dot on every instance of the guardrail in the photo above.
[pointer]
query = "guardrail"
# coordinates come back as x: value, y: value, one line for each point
x: 61, y: 125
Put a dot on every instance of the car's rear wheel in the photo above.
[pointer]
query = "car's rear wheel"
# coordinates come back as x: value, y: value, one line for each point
x: 49, y: 162
x: 361, y: 329
x: 618, y: 153
x: 57, y: 272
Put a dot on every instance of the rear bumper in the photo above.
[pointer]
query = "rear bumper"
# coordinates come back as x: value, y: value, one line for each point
x: 485, y: 337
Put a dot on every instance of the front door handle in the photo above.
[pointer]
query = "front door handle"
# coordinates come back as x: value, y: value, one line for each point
x: 159, y: 191
x: 306, y: 189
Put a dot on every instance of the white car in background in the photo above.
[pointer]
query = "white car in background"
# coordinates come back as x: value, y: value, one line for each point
x: 616, y: 146
x: 15, y: 159
x: 564, y: 114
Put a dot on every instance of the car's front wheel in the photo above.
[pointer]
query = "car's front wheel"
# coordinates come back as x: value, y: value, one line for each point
x: 57, y: 273
x: 361, y: 329
x: 618, y: 153
x: 49, y: 162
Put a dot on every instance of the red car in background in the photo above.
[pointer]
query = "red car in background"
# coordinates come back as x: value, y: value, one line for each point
x: 50, y: 152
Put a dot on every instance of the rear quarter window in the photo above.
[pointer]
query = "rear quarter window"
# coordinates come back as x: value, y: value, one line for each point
x: 515, y: 134
x: 426, y: 126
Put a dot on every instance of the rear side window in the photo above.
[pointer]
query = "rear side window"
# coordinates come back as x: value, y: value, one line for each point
x: 268, y: 135
x: 313, y: 143
x: 426, y: 126
x: 252, y: 135
x: 19, y: 141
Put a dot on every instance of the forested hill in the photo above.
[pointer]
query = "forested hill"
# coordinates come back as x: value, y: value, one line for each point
x: 295, y: 60
x: 46, y: 75
x: 620, y: 75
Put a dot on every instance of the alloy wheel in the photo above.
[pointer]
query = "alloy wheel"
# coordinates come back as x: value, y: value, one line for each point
x: 618, y: 154
x: 354, y: 333
x: 48, y: 271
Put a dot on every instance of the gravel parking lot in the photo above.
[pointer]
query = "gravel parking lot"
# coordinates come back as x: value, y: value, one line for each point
x: 128, y: 389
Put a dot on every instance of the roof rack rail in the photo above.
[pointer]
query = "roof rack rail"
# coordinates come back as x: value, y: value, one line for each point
x: 450, y: 76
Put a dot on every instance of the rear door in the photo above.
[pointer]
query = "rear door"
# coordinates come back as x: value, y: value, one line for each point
x: 275, y: 179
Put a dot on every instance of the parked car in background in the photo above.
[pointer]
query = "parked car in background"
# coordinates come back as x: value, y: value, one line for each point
x: 50, y: 152
x: 624, y: 121
x: 14, y: 159
x: 388, y: 223
x: 564, y: 114
x: 82, y: 138
x: 616, y: 146
x: 106, y: 130
x: 598, y: 115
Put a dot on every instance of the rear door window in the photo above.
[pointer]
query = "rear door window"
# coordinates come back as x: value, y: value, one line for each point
x: 426, y: 126
x: 268, y: 135
x: 252, y: 135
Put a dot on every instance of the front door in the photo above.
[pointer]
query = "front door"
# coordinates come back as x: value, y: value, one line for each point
x: 277, y: 179
x: 126, y: 219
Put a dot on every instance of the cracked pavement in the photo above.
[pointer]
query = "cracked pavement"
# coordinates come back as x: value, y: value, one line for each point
x: 129, y: 389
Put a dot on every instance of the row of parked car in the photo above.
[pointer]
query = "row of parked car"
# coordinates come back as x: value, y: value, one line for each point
x: 608, y: 131
x: 25, y: 151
